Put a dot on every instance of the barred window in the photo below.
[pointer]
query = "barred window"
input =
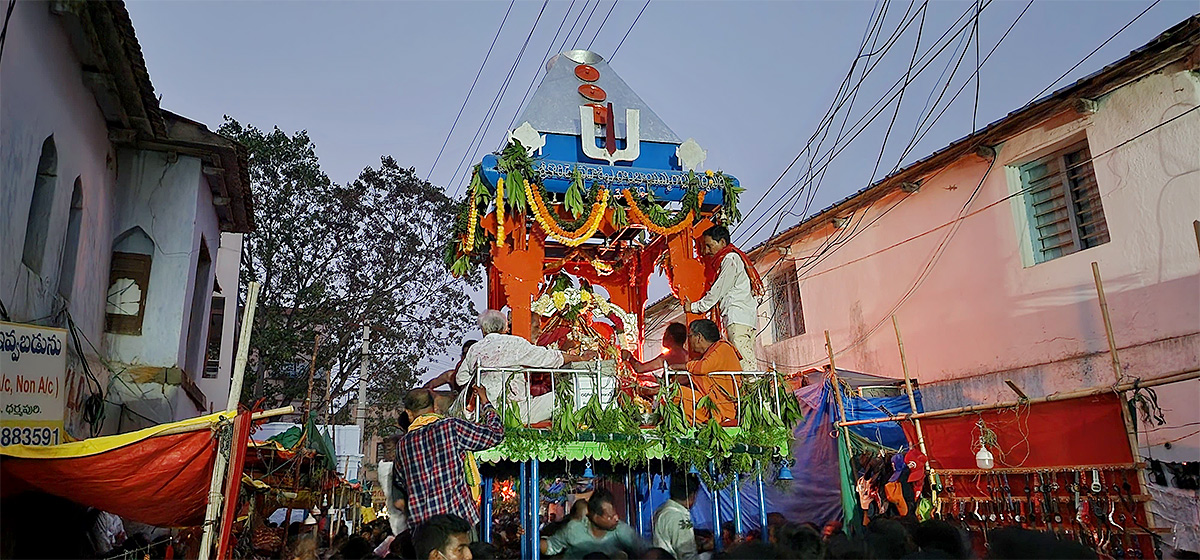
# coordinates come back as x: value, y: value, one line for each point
x: 787, y: 313
x: 216, y: 324
x: 1063, y: 200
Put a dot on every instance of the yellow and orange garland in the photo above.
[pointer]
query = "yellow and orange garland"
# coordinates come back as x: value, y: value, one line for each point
x: 569, y: 238
x: 500, y: 212
x: 641, y: 218
x: 472, y: 217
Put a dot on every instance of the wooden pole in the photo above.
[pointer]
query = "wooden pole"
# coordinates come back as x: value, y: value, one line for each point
x: 1112, y: 343
x: 312, y: 371
x: 1176, y: 377
x: 233, y: 486
x: 1196, y: 226
x: 243, y: 349
x: 1126, y: 417
x: 837, y: 389
x: 200, y: 427
x: 912, y: 402
x: 235, y: 389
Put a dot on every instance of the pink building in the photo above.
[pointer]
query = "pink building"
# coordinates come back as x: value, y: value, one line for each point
x: 983, y: 252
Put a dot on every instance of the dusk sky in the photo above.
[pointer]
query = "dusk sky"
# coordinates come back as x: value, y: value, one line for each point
x: 750, y: 81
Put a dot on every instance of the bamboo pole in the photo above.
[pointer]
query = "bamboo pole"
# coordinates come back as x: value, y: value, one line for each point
x: 912, y: 402
x: 243, y: 349
x: 223, y: 453
x: 200, y: 427
x: 1108, y: 331
x: 1176, y: 377
x: 1196, y: 226
x: 1126, y: 417
x: 837, y: 389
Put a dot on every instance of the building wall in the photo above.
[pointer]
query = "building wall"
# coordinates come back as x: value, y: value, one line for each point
x: 164, y: 194
x: 157, y: 193
x: 44, y: 94
x: 982, y: 312
x: 228, y: 262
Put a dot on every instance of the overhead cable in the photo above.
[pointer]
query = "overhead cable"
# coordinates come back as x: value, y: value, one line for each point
x: 472, y: 89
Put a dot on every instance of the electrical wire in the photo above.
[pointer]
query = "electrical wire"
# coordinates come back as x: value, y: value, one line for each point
x: 484, y: 125
x: 837, y: 102
x: 602, y: 22
x: 4, y: 32
x: 936, y: 254
x: 471, y: 89
x: 538, y: 71
x: 627, y: 31
x: 1094, y: 51
x: 868, y: 117
x: 562, y: 46
x: 583, y: 27
x: 834, y: 150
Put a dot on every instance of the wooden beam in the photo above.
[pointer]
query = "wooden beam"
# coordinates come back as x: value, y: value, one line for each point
x: 1176, y: 377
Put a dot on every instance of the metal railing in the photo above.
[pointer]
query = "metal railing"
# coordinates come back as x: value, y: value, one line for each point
x: 593, y: 372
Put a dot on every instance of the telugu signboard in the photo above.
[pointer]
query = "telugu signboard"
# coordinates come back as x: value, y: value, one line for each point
x: 33, y: 362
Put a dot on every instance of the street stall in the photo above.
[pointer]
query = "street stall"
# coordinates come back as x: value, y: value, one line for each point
x: 157, y: 476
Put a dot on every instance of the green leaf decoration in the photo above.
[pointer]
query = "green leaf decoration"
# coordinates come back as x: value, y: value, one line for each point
x: 514, y: 192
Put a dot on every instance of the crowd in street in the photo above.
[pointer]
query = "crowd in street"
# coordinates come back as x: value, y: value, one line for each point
x: 434, y: 486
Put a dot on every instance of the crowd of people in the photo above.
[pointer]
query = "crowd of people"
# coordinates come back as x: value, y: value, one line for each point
x: 434, y: 486
x: 594, y: 530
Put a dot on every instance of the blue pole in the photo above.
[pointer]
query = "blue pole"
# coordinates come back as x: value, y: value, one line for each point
x: 486, y: 514
x: 737, y: 505
x: 522, y: 510
x: 715, y: 495
x: 535, y: 510
x: 762, y: 509
x: 641, y: 523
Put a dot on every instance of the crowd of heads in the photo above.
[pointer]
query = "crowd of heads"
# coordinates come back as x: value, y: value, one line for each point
x: 896, y: 538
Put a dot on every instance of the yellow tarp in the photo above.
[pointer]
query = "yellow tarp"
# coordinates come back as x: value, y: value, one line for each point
x: 97, y: 445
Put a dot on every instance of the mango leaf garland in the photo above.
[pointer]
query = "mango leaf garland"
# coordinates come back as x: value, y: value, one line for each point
x: 573, y: 199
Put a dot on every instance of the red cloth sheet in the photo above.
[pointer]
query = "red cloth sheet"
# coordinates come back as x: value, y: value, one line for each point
x: 161, y: 481
x: 1083, y: 431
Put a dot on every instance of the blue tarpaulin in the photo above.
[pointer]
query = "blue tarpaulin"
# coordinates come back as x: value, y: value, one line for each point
x: 815, y: 494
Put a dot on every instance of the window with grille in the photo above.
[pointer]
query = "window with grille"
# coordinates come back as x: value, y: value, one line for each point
x: 787, y: 312
x: 1063, y: 200
x: 216, y: 323
x: 379, y: 452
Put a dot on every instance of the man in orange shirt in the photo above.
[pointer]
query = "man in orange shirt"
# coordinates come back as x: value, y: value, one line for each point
x: 716, y: 355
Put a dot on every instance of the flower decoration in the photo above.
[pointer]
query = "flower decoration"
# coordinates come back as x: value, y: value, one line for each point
x: 577, y: 301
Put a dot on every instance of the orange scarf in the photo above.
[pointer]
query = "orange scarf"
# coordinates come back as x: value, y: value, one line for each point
x: 712, y: 267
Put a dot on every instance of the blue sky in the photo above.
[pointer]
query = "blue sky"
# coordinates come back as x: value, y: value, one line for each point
x: 748, y: 80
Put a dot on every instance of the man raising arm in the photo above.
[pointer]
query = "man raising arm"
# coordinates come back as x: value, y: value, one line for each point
x: 733, y: 282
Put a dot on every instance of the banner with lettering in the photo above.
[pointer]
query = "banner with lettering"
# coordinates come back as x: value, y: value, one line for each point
x: 33, y: 362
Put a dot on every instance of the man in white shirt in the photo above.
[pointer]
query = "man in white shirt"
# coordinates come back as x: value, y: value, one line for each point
x: 734, y: 283
x: 499, y: 350
x: 673, y: 520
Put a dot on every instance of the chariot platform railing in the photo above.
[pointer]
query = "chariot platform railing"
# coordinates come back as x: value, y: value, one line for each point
x: 597, y: 381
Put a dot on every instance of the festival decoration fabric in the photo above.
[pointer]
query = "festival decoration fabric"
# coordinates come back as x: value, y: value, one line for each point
x: 160, y: 480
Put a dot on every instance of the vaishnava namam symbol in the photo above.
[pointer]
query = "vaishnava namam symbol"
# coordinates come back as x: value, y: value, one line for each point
x: 610, y: 153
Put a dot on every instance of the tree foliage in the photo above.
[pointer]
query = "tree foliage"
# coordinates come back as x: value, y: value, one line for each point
x: 332, y: 258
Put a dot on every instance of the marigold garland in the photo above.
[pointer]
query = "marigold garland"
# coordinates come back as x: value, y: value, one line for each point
x: 569, y: 238
x: 500, y: 212
x: 641, y: 218
x: 472, y: 217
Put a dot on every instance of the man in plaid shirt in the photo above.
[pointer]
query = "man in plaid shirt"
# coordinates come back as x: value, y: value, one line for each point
x: 431, y: 459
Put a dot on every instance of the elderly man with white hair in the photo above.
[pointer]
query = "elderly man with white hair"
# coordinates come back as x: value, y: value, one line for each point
x: 499, y: 350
